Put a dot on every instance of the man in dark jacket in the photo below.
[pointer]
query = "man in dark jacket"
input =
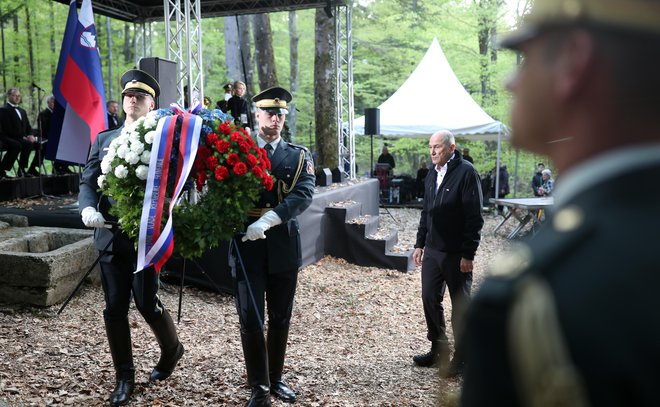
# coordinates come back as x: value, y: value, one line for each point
x: 447, y: 240
x: 271, y: 254
x: 16, y: 136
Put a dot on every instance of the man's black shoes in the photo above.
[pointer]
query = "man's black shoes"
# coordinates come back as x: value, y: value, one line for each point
x: 432, y: 359
x: 282, y: 391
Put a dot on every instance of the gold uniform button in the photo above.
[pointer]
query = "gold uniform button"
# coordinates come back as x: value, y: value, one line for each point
x: 568, y: 219
x: 512, y: 262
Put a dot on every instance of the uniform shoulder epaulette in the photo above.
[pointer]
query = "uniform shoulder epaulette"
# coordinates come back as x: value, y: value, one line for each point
x: 107, y: 130
x: 297, y: 146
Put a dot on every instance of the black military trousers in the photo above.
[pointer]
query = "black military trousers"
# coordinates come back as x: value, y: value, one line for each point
x: 259, y: 285
x: 119, y: 281
x: 440, y: 270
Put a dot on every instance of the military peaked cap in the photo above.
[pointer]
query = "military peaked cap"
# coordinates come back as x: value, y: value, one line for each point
x: 633, y: 15
x: 139, y: 81
x: 273, y: 100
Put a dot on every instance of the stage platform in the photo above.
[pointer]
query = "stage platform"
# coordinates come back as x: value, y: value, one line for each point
x: 24, y: 187
x: 317, y: 231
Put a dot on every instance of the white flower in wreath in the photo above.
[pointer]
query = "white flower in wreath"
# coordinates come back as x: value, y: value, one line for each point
x: 137, y: 147
x: 106, y: 164
x: 149, y: 137
x: 100, y: 180
x: 151, y: 120
x: 121, y: 171
x: 132, y: 158
x: 142, y: 171
x: 145, y: 158
x: 122, y: 150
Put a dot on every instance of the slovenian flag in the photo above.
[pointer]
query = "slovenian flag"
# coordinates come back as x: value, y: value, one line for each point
x: 79, y: 113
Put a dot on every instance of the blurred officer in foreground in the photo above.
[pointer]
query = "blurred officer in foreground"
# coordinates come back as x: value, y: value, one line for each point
x: 118, y: 262
x: 571, y: 318
x: 271, y: 254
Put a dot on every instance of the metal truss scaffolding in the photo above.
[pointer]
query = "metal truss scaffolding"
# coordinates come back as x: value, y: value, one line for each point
x: 344, y: 74
x: 183, y: 38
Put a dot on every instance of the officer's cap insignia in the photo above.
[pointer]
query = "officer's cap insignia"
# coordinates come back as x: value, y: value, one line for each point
x: 568, y: 219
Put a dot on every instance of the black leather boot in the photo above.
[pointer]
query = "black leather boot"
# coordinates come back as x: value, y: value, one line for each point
x: 256, y: 364
x: 277, y: 339
x: 119, y: 339
x: 438, y: 356
x: 171, y: 349
x: 456, y: 366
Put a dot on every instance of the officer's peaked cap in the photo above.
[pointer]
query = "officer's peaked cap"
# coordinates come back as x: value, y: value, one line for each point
x: 273, y: 99
x: 138, y: 81
x: 633, y: 15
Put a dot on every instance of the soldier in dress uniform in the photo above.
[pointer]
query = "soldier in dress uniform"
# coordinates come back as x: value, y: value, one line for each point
x: 570, y: 318
x: 118, y: 261
x: 271, y: 253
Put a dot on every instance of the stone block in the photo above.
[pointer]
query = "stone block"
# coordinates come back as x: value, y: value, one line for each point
x: 40, y: 266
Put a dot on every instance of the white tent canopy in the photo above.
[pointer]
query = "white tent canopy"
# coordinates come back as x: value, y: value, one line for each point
x: 431, y: 99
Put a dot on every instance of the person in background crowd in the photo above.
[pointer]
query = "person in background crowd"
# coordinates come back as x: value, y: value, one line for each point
x: 118, y: 277
x: 537, y: 179
x: 270, y: 252
x: 207, y: 103
x: 239, y: 108
x: 503, y: 189
x: 16, y: 136
x: 386, y: 158
x: 569, y: 318
x: 466, y: 155
x: 43, y: 123
x: 447, y: 240
x: 548, y: 183
x: 114, y: 120
x: 222, y: 104
x: 422, y: 171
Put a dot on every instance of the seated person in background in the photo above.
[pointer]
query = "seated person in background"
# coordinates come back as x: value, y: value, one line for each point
x: 537, y: 179
x: 547, y: 185
x: 386, y: 158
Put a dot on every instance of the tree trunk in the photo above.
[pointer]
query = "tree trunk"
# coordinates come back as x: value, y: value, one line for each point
x: 232, y: 48
x: 108, y: 30
x: 247, y: 67
x: 487, y: 12
x: 53, y: 47
x: 325, y: 95
x: 128, y: 50
x: 294, y: 72
x: 32, y: 72
x: 17, y: 79
x: 264, y: 55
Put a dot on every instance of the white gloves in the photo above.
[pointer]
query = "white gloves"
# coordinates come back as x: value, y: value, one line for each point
x: 260, y: 226
x: 91, y: 218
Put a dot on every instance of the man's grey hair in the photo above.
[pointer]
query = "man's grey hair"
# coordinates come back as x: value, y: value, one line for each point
x: 447, y: 137
x: 12, y: 90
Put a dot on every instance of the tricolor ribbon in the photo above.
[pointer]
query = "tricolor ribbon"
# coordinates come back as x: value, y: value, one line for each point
x: 155, y: 246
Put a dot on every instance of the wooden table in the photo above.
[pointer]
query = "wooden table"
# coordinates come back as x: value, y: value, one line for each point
x: 524, y: 210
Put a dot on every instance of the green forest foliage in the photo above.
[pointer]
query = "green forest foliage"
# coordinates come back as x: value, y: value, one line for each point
x: 389, y: 39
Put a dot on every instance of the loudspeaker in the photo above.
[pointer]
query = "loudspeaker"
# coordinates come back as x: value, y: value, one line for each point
x: 164, y: 71
x: 324, y: 177
x: 372, y: 120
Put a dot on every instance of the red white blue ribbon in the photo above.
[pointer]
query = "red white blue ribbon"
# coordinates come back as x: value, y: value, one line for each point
x: 155, y: 246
